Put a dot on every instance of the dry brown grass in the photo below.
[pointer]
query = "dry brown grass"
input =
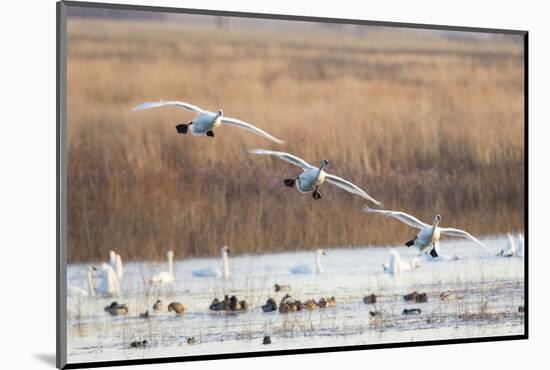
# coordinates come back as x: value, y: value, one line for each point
x: 425, y: 124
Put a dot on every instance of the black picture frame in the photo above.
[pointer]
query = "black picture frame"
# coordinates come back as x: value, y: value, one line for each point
x: 61, y: 186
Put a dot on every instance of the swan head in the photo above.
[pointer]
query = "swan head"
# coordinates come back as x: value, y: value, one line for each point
x: 321, y: 252
x: 220, y: 112
x: 324, y: 164
x: 170, y: 254
x: 225, y: 249
x: 437, y: 219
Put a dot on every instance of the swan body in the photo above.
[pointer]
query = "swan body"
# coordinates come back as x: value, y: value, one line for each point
x: 205, y: 122
x: 312, y: 177
x: 165, y: 277
x: 396, y: 266
x: 520, y: 246
x: 116, y: 263
x: 310, y: 269
x: 108, y: 285
x: 429, y: 235
x: 74, y: 291
x: 512, y: 247
x: 215, y: 271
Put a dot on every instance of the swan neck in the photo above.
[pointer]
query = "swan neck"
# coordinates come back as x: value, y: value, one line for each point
x: 171, y: 264
x: 91, y: 289
x: 434, y: 227
x: 225, y: 260
x: 318, y: 263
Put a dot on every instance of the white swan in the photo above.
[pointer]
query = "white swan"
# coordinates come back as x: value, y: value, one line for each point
x: 108, y: 285
x: 74, y: 291
x: 396, y: 266
x: 165, y: 277
x: 429, y: 234
x: 520, y: 246
x: 205, y: 122
x: 310, y: 269
x: 215, y: 271
x: 116, y: 263
x: 512, y: 247
x: 312, y: 177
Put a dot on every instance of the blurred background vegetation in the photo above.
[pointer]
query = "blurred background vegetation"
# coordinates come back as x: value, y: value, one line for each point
x: 425, y: 121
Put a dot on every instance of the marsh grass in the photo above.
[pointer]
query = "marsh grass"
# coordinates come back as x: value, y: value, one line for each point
x: 425, y: 124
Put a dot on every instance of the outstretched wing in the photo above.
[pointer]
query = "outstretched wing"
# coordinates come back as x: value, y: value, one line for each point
x: 350, y: 187
x: 285, y: 157
x: 461, y: 234
x: 251, y: 128
x: 401, y: 216
x: 179, y: 104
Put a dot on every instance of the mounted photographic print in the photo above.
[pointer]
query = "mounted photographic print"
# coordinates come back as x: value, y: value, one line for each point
x: 235, y: 184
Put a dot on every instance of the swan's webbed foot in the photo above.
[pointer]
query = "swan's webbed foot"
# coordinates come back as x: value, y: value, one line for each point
x: 433, y: 253
x: 182, y: 128
x: 210, y: 133
x: 290, y: 182
x: 316, y: 194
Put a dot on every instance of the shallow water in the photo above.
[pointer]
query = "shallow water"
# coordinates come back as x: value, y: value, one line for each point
x: 488, y: 291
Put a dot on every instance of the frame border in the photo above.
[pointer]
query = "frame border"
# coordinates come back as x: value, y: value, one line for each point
x: 61, y: 187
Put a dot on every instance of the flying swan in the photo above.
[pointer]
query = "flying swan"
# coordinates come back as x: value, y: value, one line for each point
x: 205, y: 122
x: 310, y: 269
x: 165, y: 277
x: 429, y: 234
x: 313, y: 177
x: 215, y: 271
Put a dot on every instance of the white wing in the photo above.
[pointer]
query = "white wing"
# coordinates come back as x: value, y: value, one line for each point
x: 285, y: 157
x: 460, y: 233
x: 179, y: 104
x: 251, y: 128
x: 401, y: 216
x: 348, y: 186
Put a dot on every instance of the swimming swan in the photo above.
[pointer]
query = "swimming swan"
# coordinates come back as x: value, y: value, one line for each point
x: 510, y: 248
x: 108, y: 285
x: 313, y: 177
x: 520, y: 246
x: 396, y: 266
x: 429, y: 234
x: 215, y: 271
x: 165, y: 277
x: 205, y: 122
x: 513, y: 248
x: 116, y: 263
x: 310, y: 269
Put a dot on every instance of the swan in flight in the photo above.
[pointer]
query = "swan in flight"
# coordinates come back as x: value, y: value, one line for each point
x: 429, y: 234
x: 165, y: 277
x: 312, y: 177
x: 205, y: 122
x: 116, y: 263
x: 310, y: 269
x: 108, y: 285
x: 215, y: 271
x: 396, y: 266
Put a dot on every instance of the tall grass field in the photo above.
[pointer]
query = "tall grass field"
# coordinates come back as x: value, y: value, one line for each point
x: 424, y: 122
